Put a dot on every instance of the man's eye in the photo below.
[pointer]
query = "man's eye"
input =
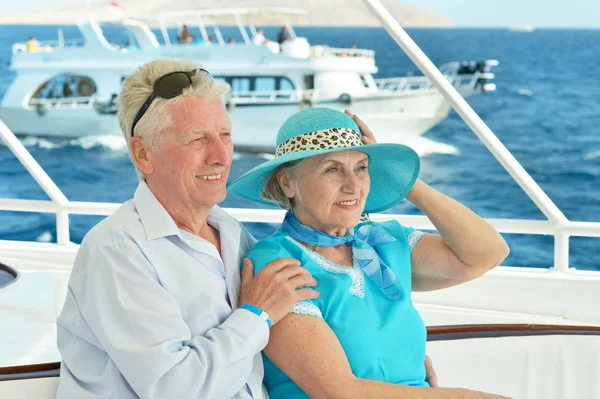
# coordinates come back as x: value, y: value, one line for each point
x: 198, y: 139
x: 331, y: 170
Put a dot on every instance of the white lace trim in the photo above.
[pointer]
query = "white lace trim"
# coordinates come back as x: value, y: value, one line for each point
x: 414, y: 237
x: 308, y: 308
x: 358, y: 279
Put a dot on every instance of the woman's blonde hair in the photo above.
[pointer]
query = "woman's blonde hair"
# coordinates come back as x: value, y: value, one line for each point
x: 272, y: 190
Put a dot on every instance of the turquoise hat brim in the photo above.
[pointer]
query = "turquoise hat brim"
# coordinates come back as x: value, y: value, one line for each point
x: 393, y: 169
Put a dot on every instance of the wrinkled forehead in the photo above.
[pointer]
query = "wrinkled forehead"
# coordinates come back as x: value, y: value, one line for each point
x: 348, y: 156
x: 204, y: 113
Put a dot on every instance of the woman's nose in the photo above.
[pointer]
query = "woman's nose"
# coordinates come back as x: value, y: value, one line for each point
x: 350, y: 183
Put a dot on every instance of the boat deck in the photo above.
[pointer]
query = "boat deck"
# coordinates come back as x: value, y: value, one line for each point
x: 29, y: 307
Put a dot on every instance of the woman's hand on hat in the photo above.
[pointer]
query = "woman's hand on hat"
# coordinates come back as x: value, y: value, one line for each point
x: 367, y: 135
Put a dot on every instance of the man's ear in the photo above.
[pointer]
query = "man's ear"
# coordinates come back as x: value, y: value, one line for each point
x: 284, y: 179
x: 141, y: 155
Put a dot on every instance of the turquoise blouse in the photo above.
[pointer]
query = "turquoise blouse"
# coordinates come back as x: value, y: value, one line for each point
x: 384, y: 339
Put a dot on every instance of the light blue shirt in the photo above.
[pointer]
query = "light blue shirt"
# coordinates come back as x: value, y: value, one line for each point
x: 384, y: 339
x: 147, y: 312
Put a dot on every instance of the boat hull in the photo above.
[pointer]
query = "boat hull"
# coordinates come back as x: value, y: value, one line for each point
x: 394, y: 119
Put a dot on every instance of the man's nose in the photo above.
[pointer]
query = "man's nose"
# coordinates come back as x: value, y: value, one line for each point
x: 218, y: 153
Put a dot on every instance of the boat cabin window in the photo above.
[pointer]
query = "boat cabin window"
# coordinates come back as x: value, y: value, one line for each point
x: 309, y: 82
x: 363, y: 80
x: 269, y: 83
x: 241, y: 84
x: 66, y: 86
x: 257, y: 83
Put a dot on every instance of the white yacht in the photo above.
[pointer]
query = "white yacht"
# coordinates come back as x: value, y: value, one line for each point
x: 522, y: 28
x: 70, y: 89
x: 521, y: 332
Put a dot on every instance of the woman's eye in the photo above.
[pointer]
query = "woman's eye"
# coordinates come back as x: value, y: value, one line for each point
x: 332, y: 170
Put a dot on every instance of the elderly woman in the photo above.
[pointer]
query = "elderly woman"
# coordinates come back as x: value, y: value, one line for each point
x: 363, y: 336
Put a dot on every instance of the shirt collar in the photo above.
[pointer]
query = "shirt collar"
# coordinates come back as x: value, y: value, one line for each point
x: 158, y: 222
x: 154, y: 217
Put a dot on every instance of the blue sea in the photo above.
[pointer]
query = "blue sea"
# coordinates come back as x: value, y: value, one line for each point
x: 546, y: 111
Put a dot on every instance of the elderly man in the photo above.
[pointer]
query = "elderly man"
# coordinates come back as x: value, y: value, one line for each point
x: 156, y: 306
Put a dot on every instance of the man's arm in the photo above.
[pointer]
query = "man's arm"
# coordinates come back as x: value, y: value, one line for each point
x: 141, y: 327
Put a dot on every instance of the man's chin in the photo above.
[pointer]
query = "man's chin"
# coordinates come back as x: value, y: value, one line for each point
x: 217, y: 197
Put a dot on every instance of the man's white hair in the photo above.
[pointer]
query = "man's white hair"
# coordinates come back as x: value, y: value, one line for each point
x: 139, y: 85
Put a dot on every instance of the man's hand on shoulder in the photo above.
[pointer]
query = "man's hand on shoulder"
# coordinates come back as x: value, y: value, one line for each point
x: 275, y: 288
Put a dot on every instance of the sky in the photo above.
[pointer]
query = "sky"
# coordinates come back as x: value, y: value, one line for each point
x: 538, y: 13
x: 475, y: 13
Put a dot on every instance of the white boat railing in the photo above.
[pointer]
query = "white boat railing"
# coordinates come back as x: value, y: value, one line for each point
x: 47, y: 46
x: 449, y: 70
x: 326, y: 51
x: 412, y: 83
x: 65, y: 102
x: 557, y: 224
x: 62, y: 207
x: 274, y: 96
x: 238, y: 97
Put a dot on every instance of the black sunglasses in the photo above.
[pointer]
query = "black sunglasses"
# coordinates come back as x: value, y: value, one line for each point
x: 167, y: 86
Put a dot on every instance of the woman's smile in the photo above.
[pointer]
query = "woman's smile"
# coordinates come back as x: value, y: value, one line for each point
x: 348, y: 204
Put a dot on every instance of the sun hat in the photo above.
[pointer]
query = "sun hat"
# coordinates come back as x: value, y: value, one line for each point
x: 393, y: 168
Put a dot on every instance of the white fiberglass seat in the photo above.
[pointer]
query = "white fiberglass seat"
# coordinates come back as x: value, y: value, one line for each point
x: 518, y: 361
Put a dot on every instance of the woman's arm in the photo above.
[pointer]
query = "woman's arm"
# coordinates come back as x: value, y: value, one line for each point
x: 466, y: 248
x: 307, y: 350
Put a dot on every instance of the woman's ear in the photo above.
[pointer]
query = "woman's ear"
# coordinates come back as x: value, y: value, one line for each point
x: 284, y: 179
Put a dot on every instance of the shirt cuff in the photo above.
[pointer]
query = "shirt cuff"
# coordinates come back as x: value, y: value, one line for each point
x: 252, y: 326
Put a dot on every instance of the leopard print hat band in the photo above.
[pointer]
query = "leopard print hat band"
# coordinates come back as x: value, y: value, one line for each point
x: 321, y: 140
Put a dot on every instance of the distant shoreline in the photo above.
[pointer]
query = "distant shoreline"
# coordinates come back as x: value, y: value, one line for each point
x: 2, y: 23
x: 507, y: 28
x: 338, y: 13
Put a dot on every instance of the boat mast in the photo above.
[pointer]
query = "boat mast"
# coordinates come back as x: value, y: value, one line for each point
x: 165, y: 33
x: 242, y: 28
x: 483, y: 132
x: 202, y: 27
x: 512, y: 166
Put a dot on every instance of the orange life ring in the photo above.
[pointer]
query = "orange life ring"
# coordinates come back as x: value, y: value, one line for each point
x: 84, y: 88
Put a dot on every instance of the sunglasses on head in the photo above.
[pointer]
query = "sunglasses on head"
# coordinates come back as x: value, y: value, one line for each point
x: 167, y: 86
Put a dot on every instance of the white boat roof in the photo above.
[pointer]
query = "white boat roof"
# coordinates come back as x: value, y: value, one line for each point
x: 249, y: 15
x: 216, y: 16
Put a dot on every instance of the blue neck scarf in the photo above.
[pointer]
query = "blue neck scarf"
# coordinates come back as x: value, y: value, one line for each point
x: 362, y: 242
